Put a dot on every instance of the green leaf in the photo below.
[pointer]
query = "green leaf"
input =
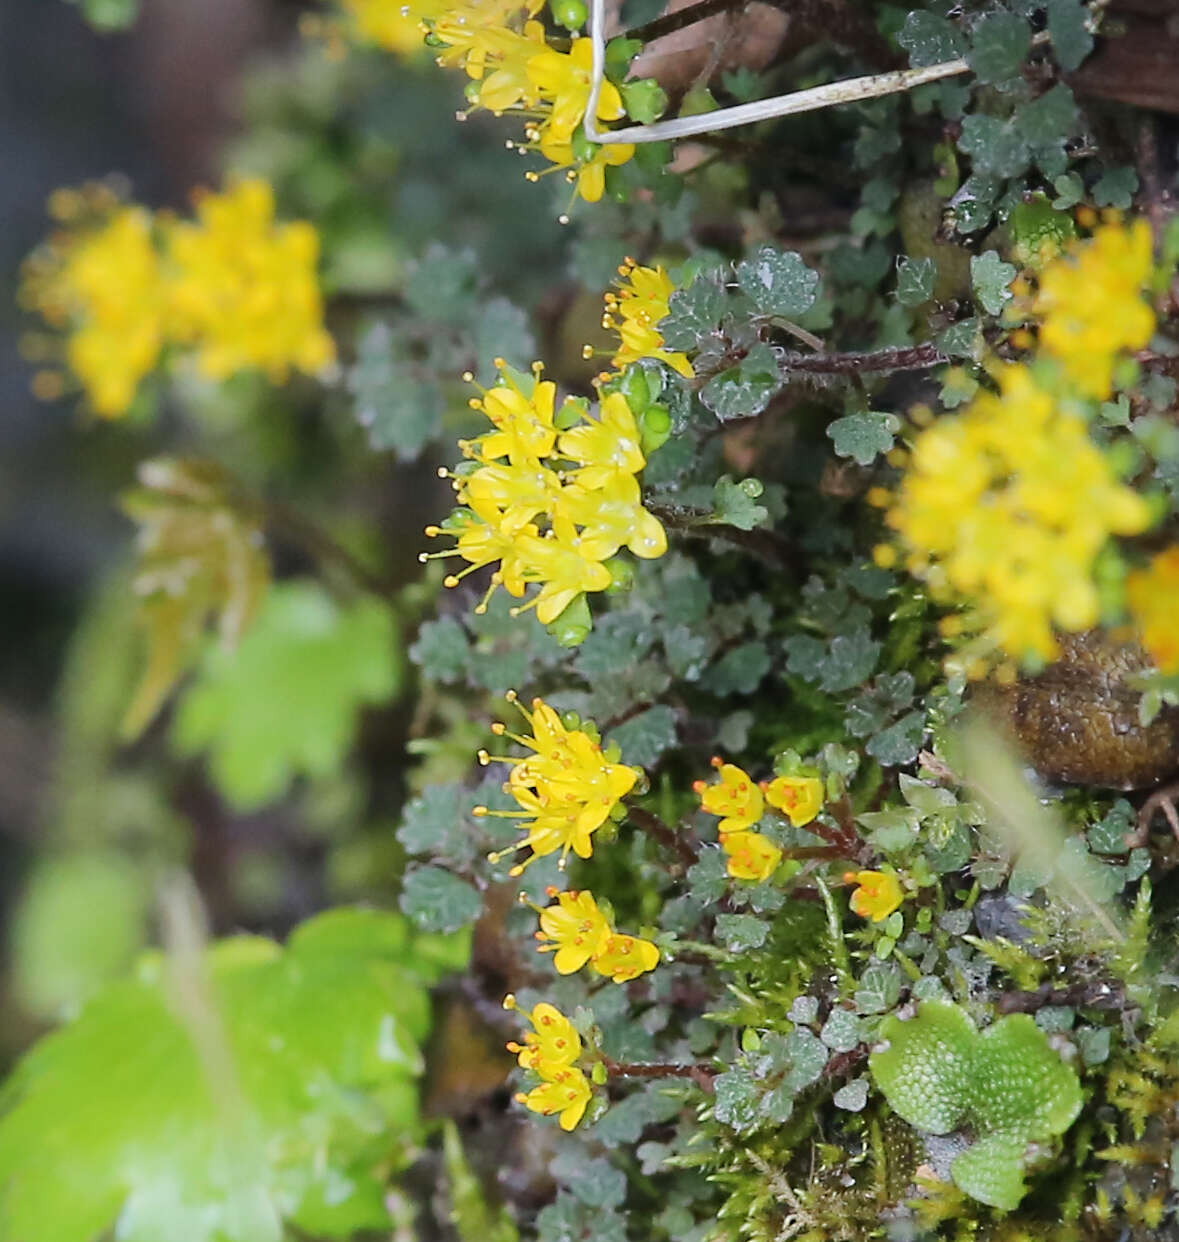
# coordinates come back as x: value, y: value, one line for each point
x: 998, y: 149
x: 924, y: 1066
x: 438, y: 824
x: 400, y: 411
x: 853, y: 1096
x: 594, y: 1180
x: 864, y: 436
x: 693, y: 313
x: 285, y: 702
x: 841, y: 1031
x: 735, y: 503
x: 1019, y: 1082
x: 442, y: 285
x: 82, y: 919
x: 915, y: 280
x: 930, y: 39
x: 1116, y: 188
x: 501, y: 330
x: 778, y: 282
x: 900, y: 742
x: 740, y: 670
x: 999, y: 44
x: 210, y: 1104
x: 991, y: 277
x: 1068, y: 26
x: 438, y: 901
x: 741, y: 932
x: 878, y: 989
x: 645, y: 738
x: 744, y: 390
x: 991, y: 1170
x: 442, y: 650
x: 850, y: 661
x: 963, y: 339
x: 736, y: 1100
x: 708, y: 879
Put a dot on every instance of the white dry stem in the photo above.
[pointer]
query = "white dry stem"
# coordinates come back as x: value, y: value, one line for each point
x: 810, y: 100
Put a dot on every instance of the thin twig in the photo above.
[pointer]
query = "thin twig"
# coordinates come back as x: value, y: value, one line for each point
x: 671, y: 22
x: 894, y: 358
x: 654, y: 827
x: 767, y: 545
x: 701, y: 1075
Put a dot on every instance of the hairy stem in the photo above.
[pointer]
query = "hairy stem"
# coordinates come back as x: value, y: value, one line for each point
x: 701, y: 1075
x: 671, y: 22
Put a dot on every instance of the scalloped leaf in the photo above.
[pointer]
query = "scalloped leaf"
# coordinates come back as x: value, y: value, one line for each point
x: 924, y: 1070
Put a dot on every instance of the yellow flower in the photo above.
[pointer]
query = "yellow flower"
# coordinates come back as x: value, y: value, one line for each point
x: 104, y: 285
x: 1153, y: 598
x: 563, y: 567
x: 606, y: 445
x: 751, y: 855
x: 589, y: 174
x: 1009, y: 504
x: 566, y: 788
x: 521, y: 408
x: 581, y: 933
x: 801, y: 797
x: 1091, y: 307
x: 576, y: 929
x: 391, y: 24
x: 243, y: 290
x: 878, y: 895
x: 565, y: 1092
x: 626, y: 957
x: 737, y: 799
x: 611, y: 518
x: 553, y: 1043
x: 642, y: 301
x: 563, y: 81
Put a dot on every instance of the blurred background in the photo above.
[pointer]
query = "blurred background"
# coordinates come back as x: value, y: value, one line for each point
x: 189, y: 93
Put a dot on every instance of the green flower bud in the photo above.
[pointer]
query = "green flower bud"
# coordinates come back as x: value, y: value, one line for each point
x: 635, y: 389
x: 622, y: 571
x: 645, y: 101
x: 619, y: 53
x: 572, y: 14
x: 573, y: 626
x: 654, y: 427
x: 571, y: 720
x: 583, y: 149
x: 471, y: 90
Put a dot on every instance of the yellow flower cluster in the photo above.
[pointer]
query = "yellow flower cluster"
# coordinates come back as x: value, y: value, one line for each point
x: 551, y: 1050
x: 1090, y: 305
x: 233, y: 287
x: 741, y: 802
x: 242, y: 289
x: 634, y: 311
x: 581, y: 481
x: 1009, y: 504
x: 578, y: 932
x: 878, y: 894
x: 567, y: 787
x: 512, y: 69
x: 1152, y: 595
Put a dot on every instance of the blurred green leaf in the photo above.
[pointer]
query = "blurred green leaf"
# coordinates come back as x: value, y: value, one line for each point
x: 915, y: 280
x: 285, y: 702
x: 930, y: 38
x: 81, y: 921
x: 201, y: 556
x: 400, y: 410
x: 292, y: 1095
x: 1068, y: 25
x: 734, y: 503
